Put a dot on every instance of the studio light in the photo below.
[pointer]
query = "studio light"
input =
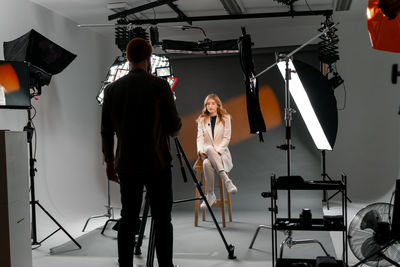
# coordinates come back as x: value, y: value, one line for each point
x: 343, y: 5
x: 328, y: 46
x: 125, y: 32
x: 313, y: 95
x: 383, y: 28
x: 390, y: 8
x: 160, y: 66
x: 255, y: 117
x: 232, y: 7
x: 336, y: 80
x: 205, y: 47
x: 44, y: 57
x: 286, y: 2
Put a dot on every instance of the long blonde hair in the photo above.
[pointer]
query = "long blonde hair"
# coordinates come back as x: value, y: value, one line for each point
x: 221, y: 111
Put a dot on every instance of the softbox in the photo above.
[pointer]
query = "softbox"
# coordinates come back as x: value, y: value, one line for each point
x: 44, y: 57
x: 256, y: 120
x: 39, y: 51
x: 206, y: 46
x: 322, y: 98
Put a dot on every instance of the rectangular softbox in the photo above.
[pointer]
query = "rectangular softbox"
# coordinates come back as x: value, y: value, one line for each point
x: 39, y: 51
x: 256, y: 120
x: 207, y: 47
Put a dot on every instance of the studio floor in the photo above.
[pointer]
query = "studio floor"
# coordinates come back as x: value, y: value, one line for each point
x: 193, y: 246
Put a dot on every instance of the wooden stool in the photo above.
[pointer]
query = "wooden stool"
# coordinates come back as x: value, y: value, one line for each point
x: 222, y: 202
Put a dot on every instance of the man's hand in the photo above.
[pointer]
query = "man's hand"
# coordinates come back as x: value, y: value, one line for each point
x: 111, y: 173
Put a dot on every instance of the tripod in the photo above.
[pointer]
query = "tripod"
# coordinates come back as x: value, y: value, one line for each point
x: 151, y: 244
x: 151, y: 248
x: 324, y: 178
x: 30, y: 130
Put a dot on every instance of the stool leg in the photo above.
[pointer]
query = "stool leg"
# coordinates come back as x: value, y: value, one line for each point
x: 203, y: 212
x: 196, y: 209
x: 228, y: 202
x: 197, y: 202
x: 222, y: 197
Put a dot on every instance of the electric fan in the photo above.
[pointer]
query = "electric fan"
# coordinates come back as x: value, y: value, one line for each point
x: 371, y: 236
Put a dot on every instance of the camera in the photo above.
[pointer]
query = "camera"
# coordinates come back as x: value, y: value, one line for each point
x: 306, y: 217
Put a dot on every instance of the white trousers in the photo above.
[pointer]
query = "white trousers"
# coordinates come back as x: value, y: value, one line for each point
x: 211, y: 163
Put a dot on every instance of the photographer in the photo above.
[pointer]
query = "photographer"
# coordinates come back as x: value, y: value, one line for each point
x: 139, y: 108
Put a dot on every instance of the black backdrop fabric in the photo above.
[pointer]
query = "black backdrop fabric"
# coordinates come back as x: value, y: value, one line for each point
x: 253, y: 161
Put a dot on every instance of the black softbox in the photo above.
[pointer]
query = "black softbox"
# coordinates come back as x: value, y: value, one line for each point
x: 256, y: 120
x: 39, y: 51
x: 322, y: 98
x: 207, y: 46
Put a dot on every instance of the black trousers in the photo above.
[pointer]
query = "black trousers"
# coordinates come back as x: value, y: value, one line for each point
x: 159, y: 191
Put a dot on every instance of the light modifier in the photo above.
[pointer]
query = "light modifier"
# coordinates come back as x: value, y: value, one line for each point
x: 314, y: 98
x: 343, y: 5
x: 232, y: 7
x: 121, y: 67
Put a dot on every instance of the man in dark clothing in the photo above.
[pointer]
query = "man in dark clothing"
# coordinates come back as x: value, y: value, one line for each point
x: 139, y: 108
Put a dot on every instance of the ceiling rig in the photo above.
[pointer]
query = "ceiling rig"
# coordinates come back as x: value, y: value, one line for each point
x: 182, y: 17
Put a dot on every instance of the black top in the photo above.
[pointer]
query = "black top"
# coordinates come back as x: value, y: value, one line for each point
x: 139, y: 108
x: 213, y: 120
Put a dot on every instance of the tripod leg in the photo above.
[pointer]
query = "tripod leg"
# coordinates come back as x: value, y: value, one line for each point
x: 105, y: 225
x: 107, y: 215
x: 256, y: 233
x: 59, y: 225
x: 142, y: 227
x: 310, y: 241
x: 110, y: 210
x: 152, y: 246
x: 284, y: 242
x: 388, y: 259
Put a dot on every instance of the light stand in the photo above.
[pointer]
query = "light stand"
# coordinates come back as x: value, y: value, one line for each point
x: 109, y: 210
x: 288, y: 126
x: 288, y: 144
x: 326, y: 177
x: 30, y: 130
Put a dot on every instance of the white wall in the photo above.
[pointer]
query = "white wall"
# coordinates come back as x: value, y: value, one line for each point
x: 367, y: 147
x: 70, y: 181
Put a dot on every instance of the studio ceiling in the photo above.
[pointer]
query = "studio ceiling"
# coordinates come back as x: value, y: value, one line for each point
x: 97, y: 12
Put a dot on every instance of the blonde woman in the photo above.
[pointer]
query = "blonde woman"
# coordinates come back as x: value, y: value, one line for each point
x: 213, y: 136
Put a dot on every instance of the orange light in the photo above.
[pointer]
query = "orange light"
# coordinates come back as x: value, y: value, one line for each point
x: 9, y: 78
x: 369, y: 16
x: 384, y: 33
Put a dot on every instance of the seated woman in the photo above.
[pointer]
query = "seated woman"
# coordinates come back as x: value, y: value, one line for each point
x: 213, y: 136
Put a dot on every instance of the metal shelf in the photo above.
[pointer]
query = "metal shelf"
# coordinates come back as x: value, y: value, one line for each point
x: 288, y: 262
x: 289, y: 224
x: 295, y: 224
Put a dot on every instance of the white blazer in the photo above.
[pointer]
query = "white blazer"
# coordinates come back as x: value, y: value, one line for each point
x: 222, y: 136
